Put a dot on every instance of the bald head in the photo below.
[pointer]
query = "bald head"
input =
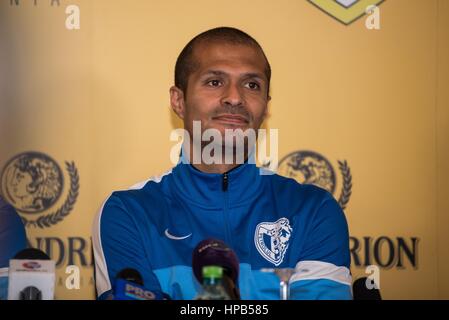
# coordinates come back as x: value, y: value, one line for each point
x: 187, y: 61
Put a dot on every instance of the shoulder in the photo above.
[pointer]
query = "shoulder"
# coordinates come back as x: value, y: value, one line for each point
x: 129, y: 204
x: 290, y: 188
x: 9, y: 217
x: 12, y: 233
x: 149, y: 189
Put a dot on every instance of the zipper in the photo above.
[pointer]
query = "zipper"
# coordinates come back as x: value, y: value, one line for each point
x: 225, y: 184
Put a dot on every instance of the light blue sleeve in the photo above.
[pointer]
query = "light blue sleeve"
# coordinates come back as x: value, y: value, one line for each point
x: 323, y: 271
x: 12, y: 240
x: 118, y: 245
x: 12, y: 233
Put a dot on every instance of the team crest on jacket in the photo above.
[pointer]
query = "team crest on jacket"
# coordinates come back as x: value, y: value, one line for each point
x: 271, y: 240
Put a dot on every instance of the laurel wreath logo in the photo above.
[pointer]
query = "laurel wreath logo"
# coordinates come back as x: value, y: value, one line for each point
x: 346, y: 189
x: 53, y: 218
x: 347, y: 184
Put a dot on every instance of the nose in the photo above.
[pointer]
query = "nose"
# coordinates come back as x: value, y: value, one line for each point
x: 232, y: 96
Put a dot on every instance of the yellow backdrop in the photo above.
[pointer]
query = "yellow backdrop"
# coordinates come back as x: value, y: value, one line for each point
x: 97, y: 98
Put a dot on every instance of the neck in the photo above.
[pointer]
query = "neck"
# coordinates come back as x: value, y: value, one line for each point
x: 215, y: 168
x: 221, y: 167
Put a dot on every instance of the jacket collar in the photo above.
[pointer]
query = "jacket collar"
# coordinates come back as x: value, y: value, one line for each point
x: 208, y: 190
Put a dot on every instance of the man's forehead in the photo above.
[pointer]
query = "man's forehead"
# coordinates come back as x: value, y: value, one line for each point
x: 217, y: 56
x: 226, y: 72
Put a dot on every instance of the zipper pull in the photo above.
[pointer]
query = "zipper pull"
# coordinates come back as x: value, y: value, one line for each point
x: 225, y: 182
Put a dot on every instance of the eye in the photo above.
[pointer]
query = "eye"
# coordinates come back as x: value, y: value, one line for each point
x: 214, y: 83
x: 252, y: 85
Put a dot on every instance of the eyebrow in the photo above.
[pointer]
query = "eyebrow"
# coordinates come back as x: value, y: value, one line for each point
x: 245, y: 75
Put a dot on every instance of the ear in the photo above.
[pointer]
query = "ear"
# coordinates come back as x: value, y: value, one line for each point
x: 266, y: 113
x: 177, y: 101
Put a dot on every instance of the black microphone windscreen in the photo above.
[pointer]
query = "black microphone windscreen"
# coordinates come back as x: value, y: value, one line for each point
x: 131, y: 275
x: 215, y: 252
x: 31, y: 293
x: 31, y: 254
x: 361, y: 292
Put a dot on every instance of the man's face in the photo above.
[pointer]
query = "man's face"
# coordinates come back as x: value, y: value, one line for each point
x: 228, y: 89
x: 20, y: 183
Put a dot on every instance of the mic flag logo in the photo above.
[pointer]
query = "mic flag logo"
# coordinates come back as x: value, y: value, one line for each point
x: 309, y: 167
x: 345, y: 11
x: 271, y: 239
x: 32, y: 182
x: 31, y: 265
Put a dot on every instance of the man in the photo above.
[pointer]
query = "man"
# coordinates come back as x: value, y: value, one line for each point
x: 12, y: 240
x: 222, y: 80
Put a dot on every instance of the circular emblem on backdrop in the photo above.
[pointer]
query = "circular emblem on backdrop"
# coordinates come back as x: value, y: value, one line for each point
x: 309, y: 167
x: 32, y: 182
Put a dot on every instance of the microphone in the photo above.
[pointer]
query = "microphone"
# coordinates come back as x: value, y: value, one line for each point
x: 131, y: 275
x: 30, y: 293
x: 361, y: 292
x: 129, y: 286
x: 213, y: 252
x: 31, y: 254
x: 31, y: 276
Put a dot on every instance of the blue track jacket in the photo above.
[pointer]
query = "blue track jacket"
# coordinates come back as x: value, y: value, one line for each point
x: 269, y: 221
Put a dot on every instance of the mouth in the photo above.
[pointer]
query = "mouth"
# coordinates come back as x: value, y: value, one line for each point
x: 232, y: 119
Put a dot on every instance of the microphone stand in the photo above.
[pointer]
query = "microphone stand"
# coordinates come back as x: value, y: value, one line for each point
x: 284, y: 275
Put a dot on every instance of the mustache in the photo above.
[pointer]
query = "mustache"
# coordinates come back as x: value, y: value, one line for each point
x: 232, y: 110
